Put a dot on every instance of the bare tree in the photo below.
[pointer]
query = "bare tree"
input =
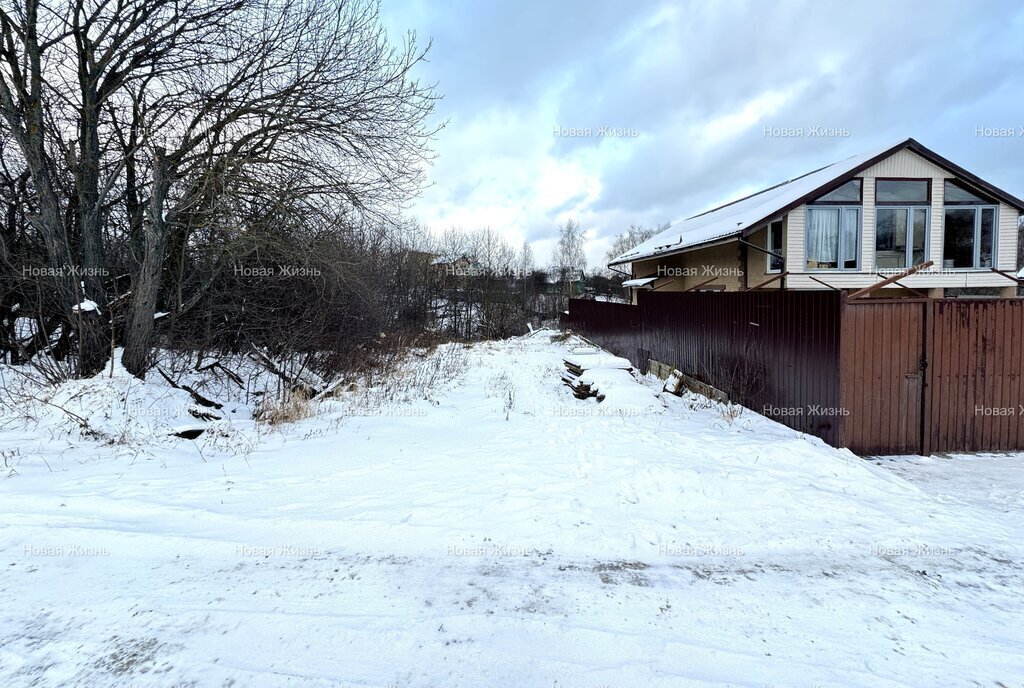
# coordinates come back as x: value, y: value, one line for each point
x: 148, y: 127
x: 568, y: 261
x: 624, y: 241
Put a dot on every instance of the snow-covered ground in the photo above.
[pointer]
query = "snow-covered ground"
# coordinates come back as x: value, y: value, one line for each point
x: 498, y: 532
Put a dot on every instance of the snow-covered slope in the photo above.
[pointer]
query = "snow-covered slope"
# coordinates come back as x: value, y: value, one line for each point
x: 499, y: 532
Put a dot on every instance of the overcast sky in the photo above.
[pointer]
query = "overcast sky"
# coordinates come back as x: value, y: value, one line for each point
x: 692, y: 88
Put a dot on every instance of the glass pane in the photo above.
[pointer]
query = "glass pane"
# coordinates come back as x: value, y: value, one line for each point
x: 776, y: 236
x: 988, y: 231
x: 955, y: 193
x: 958, y: 238
x: 847, y: 193
x: 775, y: 245
x: 851, y: 237
x: 822, y: 238
x: 901, y: 191
x: 920, y: 232
x: 891, y: 238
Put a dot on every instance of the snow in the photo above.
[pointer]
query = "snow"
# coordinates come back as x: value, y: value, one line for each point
x: 86, y: 306
x: 640, y: 282
x: 479, y: 526
x: 600, y: 359
x: 622, y: 393
x: 733, y: 219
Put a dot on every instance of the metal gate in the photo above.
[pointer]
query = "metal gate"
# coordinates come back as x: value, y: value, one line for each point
x: 881, y: 360
x: 974, y: 377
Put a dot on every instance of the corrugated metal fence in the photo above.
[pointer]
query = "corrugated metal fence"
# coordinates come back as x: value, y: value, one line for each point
x: 877, y: 376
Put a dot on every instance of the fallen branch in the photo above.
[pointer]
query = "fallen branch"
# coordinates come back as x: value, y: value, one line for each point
x: 196, y: 396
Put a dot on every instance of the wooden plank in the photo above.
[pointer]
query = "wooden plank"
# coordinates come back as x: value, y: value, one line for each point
x: 776, y: 278
x: 886, y: 282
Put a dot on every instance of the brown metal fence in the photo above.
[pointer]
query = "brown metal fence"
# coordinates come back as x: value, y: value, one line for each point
x: 877, y: 376
x: 772, y: 351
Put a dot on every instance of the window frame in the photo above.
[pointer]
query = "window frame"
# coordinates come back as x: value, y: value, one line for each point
x: 886, y: 204
x: 768, y: 243
x: 859, y: 202
x: 981, y: 202
x: 977, y: 235
x: 908, y: 251
x: 841, y: 209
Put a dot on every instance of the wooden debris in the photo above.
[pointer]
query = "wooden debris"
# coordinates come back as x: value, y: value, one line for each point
x: 590, y: 359
x: 674, y: 383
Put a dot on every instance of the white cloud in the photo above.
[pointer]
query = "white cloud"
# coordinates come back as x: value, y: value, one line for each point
x: 698, y: 82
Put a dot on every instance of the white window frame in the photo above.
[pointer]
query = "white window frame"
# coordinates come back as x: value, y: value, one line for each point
x: 977, y: 236
x: 840, y: 243
x: 908, y: 260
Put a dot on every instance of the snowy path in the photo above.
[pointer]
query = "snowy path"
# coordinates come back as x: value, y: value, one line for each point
x: 443, y: 545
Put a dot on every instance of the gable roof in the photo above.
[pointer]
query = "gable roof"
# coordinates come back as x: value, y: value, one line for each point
x: 750, y: 213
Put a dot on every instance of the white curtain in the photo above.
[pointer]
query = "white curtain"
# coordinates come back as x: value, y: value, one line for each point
x: 822, y: 234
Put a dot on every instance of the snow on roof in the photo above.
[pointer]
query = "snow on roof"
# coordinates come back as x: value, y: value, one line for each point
x: 641, y: 282
x: 734, y: 218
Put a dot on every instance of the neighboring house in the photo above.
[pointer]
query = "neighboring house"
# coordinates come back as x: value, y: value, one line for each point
x: 846, y: 226
x: 455, y: 269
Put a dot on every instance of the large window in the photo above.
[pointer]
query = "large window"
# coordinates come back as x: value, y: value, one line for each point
x: 969, y: 237
x: 900, y: 237
x: 833, y: 228
x: 833, y: 237
x: 901, y: 222
x: 969, y: 228
x: 902, y: 191
x: 774, y: 244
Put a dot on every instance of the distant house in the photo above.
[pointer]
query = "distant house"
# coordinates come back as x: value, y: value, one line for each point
x: 847, y: 226
x: 449, y: 268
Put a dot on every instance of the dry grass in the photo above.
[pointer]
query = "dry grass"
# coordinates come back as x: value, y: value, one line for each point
x: 290, y: 410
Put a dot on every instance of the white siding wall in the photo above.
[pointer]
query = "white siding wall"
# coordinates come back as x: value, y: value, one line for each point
x: 796, y: 246
x: 867, y: 226
x: 902, y: 164
x: 1006, y: 245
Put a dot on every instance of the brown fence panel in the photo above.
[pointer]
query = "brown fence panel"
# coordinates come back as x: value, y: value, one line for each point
x: 883, y: 384
x: 615, y: 326
x: 975, y: 376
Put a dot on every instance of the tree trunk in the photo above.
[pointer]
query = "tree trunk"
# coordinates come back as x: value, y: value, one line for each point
x: 146, y: 290
x: 88, y: 182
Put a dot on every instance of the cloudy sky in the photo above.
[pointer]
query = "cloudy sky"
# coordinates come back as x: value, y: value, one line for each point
x: 685, y: 92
